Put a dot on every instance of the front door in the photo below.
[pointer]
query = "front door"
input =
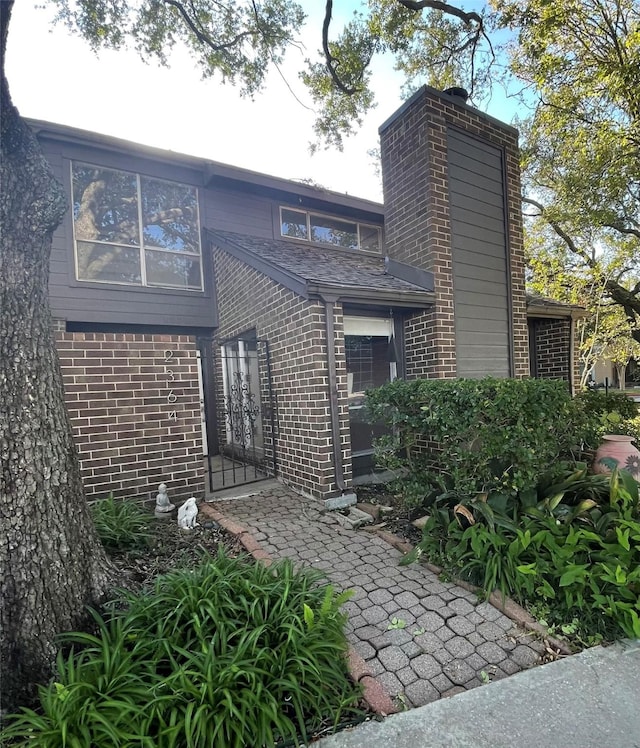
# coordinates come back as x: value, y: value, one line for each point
x: 370, y: 363
x: 245, y: 450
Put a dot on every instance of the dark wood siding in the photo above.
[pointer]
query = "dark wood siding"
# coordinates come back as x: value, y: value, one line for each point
x: 236, y: 211
x: 479, y: 254
x: 76, y: 301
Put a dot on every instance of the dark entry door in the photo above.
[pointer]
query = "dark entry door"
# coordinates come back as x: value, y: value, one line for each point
x: 369, y: 365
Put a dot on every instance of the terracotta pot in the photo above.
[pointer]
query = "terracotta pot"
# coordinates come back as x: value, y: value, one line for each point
x: 619, y: 448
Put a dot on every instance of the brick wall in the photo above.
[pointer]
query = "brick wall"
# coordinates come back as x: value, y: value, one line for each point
x: 418, y: 227
x: 295, y: 330
x: 134, y: 405
x: 551, y: 340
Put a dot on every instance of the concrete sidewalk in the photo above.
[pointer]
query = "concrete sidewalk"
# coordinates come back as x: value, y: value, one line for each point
x: 588, y: 700
x: 421, y: 638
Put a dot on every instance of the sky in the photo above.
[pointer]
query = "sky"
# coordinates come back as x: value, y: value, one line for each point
x: 55, y: 76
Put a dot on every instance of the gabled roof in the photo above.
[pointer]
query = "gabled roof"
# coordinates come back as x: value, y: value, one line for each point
x: 313, y: 271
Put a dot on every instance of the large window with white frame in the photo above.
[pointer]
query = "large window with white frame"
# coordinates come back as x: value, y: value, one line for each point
x: 324, y: 229
x: 135, y: 230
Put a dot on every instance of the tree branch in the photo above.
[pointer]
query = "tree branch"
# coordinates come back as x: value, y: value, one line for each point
x: 568, y: 240
x: 623, y: 229
x: 201, y: 36
x: 330, y: 60
x: 470, y: 20
x: 451, y: 10
x: 629, y: 300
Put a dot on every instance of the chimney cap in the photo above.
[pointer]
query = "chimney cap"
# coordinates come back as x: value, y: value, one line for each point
x: 457, y: 92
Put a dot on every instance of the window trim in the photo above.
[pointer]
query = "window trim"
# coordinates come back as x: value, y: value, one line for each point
x: 140, y: 246
x: 308, y: 240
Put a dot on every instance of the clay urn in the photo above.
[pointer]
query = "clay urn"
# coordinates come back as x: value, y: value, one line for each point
x: 620, y: 448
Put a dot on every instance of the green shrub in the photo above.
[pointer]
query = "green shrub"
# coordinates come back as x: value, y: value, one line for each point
x: 631, y: 427
x: 121, y: 525
x: 230, y: 654
x: 574, y: 543
x: 479, y: 434
x: 610, y: 413
x: 599, y: 402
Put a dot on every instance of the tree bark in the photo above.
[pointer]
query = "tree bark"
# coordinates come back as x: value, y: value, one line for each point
x: 51, y: 562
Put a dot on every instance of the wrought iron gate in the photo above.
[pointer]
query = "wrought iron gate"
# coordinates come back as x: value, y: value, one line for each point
x: 245, y: 429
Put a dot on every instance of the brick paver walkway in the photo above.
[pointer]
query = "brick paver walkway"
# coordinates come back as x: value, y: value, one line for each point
x: 442, y: 639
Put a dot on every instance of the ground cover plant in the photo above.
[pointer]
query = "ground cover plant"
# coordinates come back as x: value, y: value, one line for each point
x: 571, y: 546
x: 121, y: 525
x: 494, y: 464
x: 223, y: 652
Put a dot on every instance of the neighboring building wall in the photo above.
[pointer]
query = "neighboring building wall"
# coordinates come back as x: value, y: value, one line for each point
x: 418, y: 222
x: 551, y: 341
x: 134, y: 404
x: 295, y: 330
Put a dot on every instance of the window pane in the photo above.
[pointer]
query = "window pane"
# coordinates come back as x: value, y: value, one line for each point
x: 167, y: 269
x: 334, y: 231
x: 367, y: 359
x: 370, y: 238
x: 108, y: 264
x: 294, y: 223
x: 170, y: 216
x: 105, y: 205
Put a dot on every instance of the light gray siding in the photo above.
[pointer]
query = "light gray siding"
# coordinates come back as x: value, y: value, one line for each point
x: 479, y: 256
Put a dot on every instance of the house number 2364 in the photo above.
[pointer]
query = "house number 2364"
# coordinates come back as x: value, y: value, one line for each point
x: 169, y: 361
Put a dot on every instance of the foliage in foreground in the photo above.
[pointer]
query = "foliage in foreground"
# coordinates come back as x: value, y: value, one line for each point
x: 478, y: 434
x: 121, y: 525
x: 229, y: 654
x: 572, y: 545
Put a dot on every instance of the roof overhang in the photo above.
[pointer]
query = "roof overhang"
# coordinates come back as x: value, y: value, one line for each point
x: 555, y: 311
x: 289, y: 280
x: 362, y: 295
x: 215, y: 173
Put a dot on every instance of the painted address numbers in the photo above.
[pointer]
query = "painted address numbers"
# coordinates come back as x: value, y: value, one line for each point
x: 170, y: 360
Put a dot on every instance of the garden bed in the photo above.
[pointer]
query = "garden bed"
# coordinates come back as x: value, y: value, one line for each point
x: 400, y: 519
x: 204, y: 648
x: 170, y: 548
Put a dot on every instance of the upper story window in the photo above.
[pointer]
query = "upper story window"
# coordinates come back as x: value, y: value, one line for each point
x: 135, y: 230
x: 338, y: 232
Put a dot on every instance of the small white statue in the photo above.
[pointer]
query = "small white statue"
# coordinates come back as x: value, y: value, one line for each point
x: 163, y: 505
x: 187, y: 514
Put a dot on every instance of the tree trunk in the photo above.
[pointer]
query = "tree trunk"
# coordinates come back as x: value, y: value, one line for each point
x: 51, y: 562
x: 621, y: 370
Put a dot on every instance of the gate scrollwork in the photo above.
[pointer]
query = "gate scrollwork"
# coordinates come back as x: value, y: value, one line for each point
x: 241, y: 410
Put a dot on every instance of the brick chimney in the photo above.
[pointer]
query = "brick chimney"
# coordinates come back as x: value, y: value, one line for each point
x: 451, y: 182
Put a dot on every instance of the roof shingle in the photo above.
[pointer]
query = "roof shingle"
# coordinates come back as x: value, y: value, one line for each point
x: 318, y: 265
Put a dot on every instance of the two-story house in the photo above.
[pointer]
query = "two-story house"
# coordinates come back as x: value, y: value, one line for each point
x: 207, y: 311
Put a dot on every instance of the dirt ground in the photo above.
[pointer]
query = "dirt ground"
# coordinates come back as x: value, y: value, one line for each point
x: 170, y: 548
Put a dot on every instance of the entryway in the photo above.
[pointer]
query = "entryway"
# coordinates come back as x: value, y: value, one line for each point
x: 242, y: 446
x: 371, y: 361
